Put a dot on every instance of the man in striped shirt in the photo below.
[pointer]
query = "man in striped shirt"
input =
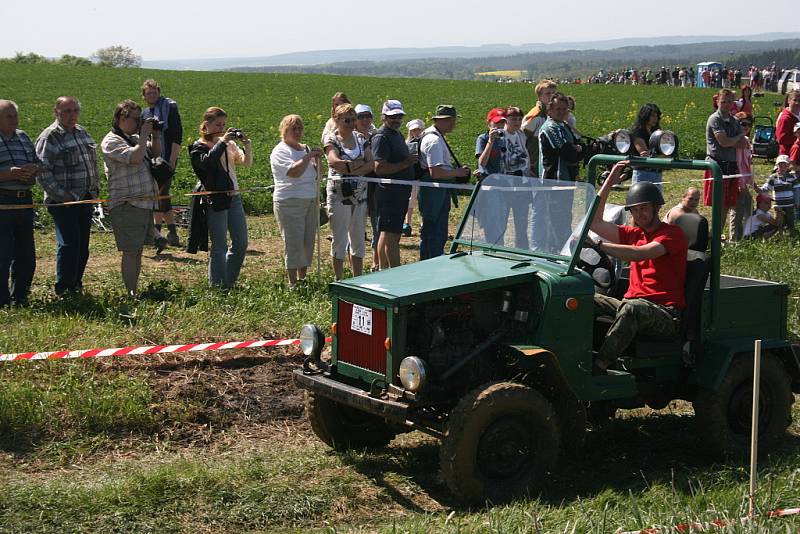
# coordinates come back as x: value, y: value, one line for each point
x: 69, y: 161
x: 19, y: 167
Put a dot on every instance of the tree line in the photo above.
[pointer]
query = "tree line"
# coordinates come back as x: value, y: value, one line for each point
x: 111, y: 56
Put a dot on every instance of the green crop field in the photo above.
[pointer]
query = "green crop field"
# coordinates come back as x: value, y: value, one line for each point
x: 217, y: 442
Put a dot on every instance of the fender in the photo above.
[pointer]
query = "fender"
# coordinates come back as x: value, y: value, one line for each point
x: 713, y: 362
x: 541, y: 370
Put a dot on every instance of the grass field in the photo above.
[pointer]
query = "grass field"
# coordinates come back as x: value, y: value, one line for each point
x: 218, y: 442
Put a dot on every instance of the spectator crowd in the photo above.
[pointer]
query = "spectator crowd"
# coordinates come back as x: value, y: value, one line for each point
x: 141, y: 151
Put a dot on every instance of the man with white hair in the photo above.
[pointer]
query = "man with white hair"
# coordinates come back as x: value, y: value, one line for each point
x: 19, y: 168
x: 69, y: 161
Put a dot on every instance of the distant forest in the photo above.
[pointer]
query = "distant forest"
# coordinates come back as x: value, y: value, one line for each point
x: 568, y: 64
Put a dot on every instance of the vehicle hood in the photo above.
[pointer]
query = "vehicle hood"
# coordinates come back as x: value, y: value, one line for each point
x: 447, y: 275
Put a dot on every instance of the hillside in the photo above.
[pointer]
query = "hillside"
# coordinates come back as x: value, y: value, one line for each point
x: 560, y: 64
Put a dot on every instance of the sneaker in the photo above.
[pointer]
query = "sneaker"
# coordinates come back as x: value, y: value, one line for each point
x: 406, y: 230
x: 173, y: 240
x: 161, y: 244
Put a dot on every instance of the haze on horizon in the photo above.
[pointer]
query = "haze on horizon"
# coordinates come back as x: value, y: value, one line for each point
x: 213, y: 29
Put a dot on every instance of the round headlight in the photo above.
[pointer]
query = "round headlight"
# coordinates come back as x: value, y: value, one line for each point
x: 413, y: 373
x: 663, y: 143
x: 622, y: 141
x: 311, y: 340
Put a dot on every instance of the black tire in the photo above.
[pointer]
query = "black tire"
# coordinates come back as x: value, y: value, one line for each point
x: 344, y: 428
x: 724, y: 416
x: 500, y: 442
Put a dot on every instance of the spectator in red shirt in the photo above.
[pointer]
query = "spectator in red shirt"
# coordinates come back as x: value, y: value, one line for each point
x: 784, y: 128
x: 657, y: 255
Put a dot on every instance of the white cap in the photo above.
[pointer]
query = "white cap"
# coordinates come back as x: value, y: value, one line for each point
x: 392, y: 107
x: 414, y: 124
x: 783, y: 158
x: 363, y: 108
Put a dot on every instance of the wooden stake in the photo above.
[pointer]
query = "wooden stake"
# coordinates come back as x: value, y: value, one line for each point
x: 754, y: 429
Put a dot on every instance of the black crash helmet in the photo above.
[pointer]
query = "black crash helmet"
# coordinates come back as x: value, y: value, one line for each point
x: 642, y: 193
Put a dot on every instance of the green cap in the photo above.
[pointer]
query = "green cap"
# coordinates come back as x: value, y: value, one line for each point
x: 445, y: 111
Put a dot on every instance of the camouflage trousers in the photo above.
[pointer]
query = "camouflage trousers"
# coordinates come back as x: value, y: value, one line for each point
x: 632, y: 317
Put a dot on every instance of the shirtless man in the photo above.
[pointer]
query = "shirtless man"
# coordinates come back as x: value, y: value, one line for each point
x: 688, y: 204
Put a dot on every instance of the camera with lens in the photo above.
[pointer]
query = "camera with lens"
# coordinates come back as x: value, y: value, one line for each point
x: 237, y: 133
x: 157, y: 124
x: 348, y: 189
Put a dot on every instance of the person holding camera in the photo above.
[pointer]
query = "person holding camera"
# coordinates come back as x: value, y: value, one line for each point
x: 19, y: 167
x: 132, y: 191
x: 295, y: 197
x: 440, y: 165
x: 490, y: 151
x: 214, y: 159
x: 348, y: 155
x: 167, y: 119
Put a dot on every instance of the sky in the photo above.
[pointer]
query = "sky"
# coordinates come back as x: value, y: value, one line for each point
x: 246, y: 28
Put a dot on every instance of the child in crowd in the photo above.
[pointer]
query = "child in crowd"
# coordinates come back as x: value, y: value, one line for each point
x: 761, y: 223
x: 781, y: 183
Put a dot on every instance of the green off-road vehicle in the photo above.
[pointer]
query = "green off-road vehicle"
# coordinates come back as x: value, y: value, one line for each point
x: 489, y: 348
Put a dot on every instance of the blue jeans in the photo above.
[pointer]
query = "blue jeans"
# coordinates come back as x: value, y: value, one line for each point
x: 225, y: 263
x: 73, y: 228
x: 433, y: 234
x: 645, y: 175
x: 17, y: 255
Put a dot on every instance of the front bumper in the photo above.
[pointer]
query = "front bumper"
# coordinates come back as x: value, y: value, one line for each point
x: 323, y: 384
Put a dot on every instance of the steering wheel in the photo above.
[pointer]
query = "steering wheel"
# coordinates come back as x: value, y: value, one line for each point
x: 597, y: 264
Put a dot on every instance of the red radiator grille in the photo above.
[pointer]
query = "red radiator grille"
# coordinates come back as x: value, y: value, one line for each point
x: 356, y: 348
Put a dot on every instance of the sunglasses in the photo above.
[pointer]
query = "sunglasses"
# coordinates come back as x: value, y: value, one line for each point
x: 362, y: 116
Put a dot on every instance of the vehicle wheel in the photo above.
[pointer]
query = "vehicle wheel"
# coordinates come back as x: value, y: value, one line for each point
x: 344, y: 428
x: 600, y: 413
x: 500, y: 442
x: 724, y: 416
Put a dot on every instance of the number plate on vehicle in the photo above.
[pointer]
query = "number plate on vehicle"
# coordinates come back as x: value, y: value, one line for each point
x: 362, y: 320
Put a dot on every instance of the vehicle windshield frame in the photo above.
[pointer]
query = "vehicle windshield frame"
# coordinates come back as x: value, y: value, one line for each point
x: 463, y: 241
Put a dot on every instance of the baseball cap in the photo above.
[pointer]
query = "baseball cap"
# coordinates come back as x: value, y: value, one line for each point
x: 496, y: 115
x: 783, y: 158
x: 414, y: 124
x: 363, y: 108
x: 445, y: 111
x: 392, y: 107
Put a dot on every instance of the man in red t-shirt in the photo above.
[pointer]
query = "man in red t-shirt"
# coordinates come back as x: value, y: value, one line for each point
x: 788, y: 117
x: 657, y: 255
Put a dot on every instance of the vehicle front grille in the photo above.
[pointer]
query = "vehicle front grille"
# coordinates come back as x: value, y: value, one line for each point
x: 357, y: 348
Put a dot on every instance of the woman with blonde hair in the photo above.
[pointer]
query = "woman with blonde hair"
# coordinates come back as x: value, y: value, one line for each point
x: 294, y: 199
x: 348, y: 154
x: 214, y: 159
x: 337, y: 100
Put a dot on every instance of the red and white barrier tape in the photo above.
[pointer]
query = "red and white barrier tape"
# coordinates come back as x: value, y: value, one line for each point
x: 704, y: 527
x: 148, y: 349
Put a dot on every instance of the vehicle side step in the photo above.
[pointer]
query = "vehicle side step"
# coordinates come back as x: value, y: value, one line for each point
x: 615, y: 384
x: 643, y: 363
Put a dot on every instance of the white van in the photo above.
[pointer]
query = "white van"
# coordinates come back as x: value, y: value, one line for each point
x: 790, y: 80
